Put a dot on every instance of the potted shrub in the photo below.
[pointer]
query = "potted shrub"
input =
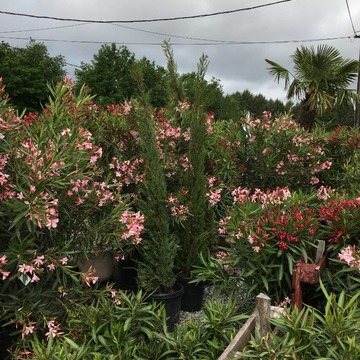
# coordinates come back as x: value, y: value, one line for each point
x: 155, y: 269
x: 196, y: 229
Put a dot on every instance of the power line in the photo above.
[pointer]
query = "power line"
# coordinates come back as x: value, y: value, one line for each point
x: 208, y: 43
x: 76, y: 66
x: 351, y: 20
x: 41, y: 29
x: 146, y: 20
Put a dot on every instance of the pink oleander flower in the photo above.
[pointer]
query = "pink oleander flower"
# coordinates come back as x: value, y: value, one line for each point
x: 24, y: 269
x: 134, y: 223
x: 3, y: 259
x: 51, y: 267
x: 180, y: 211
x: 54, y: 330
x: 351, y: 257
x: 325, y: 192
x: 114, y: 295
x: 250, y: 239
x: 64, y: 260
x: 28, y: 329
x: 214, y: 196
x: 89, y: 277
x: 34, y: 278
x: 4, y: 274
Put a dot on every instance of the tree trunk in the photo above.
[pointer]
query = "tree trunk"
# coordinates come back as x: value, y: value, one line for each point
x: 306, y: 115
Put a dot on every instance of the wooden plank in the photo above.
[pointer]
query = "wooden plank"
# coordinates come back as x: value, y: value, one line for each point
x: 241, y: 339
x: 259, y: 319
x: 263, y: 307
x: 320, y: 250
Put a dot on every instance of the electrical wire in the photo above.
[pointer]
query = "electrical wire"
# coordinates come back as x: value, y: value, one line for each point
x: 41, y: 29
x: 351, y: 20
x: 208, y: 43
x: 146, y: 20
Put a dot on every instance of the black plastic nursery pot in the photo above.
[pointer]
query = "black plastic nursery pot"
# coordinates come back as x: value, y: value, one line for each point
x: 193, y: 296
x: 172, y: 303
x: 127, y: 274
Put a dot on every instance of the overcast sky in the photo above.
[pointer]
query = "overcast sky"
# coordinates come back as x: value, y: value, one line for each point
x: 272, y: 31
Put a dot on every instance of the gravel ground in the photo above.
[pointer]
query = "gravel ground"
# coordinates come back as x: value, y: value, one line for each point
x: 246, y: 303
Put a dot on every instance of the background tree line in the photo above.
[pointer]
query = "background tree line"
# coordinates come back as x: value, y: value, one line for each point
x: 110, y: 76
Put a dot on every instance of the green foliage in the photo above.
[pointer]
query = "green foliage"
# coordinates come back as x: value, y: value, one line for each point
x: 213, y: 102
x: 309, y: 334
x: 27, y: 73
x: 320, y: 80
x: 197, y: 233
x: 206, y: 336
x: 99, y: 329
x: 239, y: 103
x: 159, y: 248
x: 109, y: 77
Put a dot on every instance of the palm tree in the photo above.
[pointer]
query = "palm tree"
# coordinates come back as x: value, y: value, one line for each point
x: 320, y: 81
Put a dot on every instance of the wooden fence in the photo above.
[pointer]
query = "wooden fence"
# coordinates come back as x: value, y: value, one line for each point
x: 259, y: 319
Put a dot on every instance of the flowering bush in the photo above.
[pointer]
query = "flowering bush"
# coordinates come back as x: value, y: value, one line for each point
x: 267, y: 232
x: 53, y: 185
x: 265, y: 153
x: 340, y: 221
x: 58, y: 200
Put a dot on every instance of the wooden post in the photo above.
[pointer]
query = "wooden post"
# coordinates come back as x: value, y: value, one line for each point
x: 263, y: 307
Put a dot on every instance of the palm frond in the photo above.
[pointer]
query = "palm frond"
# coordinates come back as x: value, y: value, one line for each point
x: 279, y: 72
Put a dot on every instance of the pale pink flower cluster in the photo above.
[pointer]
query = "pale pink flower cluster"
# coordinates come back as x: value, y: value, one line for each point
x: 134, y: 223
x: 351, y: 256
x: 3, y: 261
x: 115, y: 297
x: 126, y: 171
x: 187, y: 134
x: 116, y: 109
x: 38, y: 265
x: 293, y: 158
x: 54, y: 329
x: 83, y: 189
x: 280, y: 168
x: 28, y: 329
x: 213, y: 195
x: 277, y: 196
x: 222, y: 223
x: 179, y: 211
x: 7, y: 188
x: 40, y: 162
x: 325, y: 192
x: 319, y: 166
x: 284, y: 123
x: 314, y: 180
x: 32, y: 268
x: 89, y: 276
x: 182, y: 106
x: 209, y: 122
x: 166, y: 131
x: 240, y: 195
x: 299, y: 140
x: 42, y: 208
x: 221, y: 256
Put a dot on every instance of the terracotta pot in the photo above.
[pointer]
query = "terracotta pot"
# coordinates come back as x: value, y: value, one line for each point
x: 102, y: 265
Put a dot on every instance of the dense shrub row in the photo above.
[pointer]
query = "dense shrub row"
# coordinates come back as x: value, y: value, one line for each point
x: 71, y: 183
